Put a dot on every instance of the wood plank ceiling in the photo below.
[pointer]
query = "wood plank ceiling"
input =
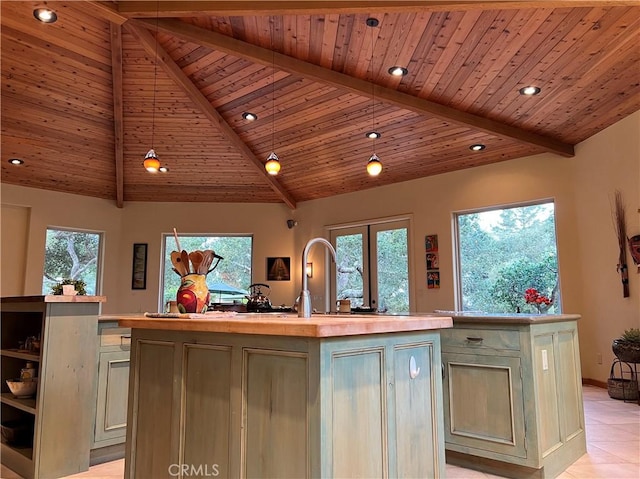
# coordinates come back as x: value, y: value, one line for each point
x: 84, y: 98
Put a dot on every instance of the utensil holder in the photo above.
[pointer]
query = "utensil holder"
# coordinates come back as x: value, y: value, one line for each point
x: 193, y: 294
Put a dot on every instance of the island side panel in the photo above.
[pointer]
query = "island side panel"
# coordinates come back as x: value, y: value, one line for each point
x: 275, y: 397
x: 151, y: 410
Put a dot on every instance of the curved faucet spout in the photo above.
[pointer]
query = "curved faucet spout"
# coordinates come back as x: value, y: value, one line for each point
x: 304, y: 306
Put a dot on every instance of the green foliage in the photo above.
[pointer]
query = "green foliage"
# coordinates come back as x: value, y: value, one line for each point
x: 631, y: 335
x: 71, y: 255
x: 499, y: 262
x: 78, y: 285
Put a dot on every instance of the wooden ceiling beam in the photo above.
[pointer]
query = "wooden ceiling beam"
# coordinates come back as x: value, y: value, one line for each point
x: 104, y: 10
x: 178, y: 76
x: 166, y: 9
x: 264, y: 56
x: 118, y: 110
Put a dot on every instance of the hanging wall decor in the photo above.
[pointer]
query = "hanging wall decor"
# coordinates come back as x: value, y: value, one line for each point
x: 279, y: 269
x: 433, y: 261
x: 139, y: 270
x: 620, y: 223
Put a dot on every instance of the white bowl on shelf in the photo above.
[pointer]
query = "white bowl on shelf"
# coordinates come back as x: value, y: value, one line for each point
x: 22, y: 389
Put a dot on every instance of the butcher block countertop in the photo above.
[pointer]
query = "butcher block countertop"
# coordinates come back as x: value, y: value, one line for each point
x: 288, y: 324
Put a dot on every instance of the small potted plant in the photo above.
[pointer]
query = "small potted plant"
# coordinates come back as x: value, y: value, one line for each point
x: 78, y: 285
x: 627, y: 346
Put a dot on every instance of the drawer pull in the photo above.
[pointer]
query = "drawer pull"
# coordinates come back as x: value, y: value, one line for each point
x: 473, y: 339
x: 125, y: 337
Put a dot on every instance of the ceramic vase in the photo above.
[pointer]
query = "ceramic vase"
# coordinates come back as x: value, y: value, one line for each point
x: 193, y: 294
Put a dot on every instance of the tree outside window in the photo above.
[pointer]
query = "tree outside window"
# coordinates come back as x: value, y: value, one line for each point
x: 71, y: 254
x: 503, y: 253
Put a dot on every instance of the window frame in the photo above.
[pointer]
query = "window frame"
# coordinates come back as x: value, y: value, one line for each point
x: 457, y: 268
x: 170, y: 237
x: 99, y: 260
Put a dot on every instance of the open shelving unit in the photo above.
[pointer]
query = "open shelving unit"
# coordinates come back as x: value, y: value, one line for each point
x: 58, y: 418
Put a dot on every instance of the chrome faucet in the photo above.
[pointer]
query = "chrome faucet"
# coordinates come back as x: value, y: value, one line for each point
x: 304, y: 304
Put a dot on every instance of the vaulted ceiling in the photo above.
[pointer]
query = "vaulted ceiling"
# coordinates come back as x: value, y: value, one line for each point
x: 85, y: 98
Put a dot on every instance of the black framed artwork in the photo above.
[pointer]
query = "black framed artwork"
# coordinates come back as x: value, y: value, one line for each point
x: 139, y: 268
x: 279, y: 269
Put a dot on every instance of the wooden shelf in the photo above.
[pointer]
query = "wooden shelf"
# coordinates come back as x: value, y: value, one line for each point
x: 20, y: 354
x: 20, y: 458
x: 24, y: 404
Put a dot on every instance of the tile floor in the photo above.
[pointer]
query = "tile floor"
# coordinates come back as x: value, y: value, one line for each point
x: 613, y: 445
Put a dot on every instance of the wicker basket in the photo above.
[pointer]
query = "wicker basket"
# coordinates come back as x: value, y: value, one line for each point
x: 620, y: 388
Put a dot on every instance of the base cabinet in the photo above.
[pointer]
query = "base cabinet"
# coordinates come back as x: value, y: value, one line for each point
x: 110, y: 427
x: 253, y: 406
x: 59, y: 417
x: 513, y: 397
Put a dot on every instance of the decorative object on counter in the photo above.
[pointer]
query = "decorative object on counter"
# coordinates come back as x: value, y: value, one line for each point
x: 278, y: 269
x: 619, y: 387
x: 257, y: 300
x: 344, y: 306
x: 22, y: 389
x: 627, y: 346
x: 193, y: 294
x: 139, y: 268
x: 539, y: 301
x: 620, y: 223
x: 78, y: 285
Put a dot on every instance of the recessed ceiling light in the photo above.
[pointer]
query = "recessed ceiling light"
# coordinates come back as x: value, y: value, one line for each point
x: 477, y: 147
x: 373, y: 135
x: 529, y: 90
x: 163, y: 169
x: 16, y: 161
x: 247, y: 115
x: 398, y: 71
x: 45, y: 15
x: 372, y: 22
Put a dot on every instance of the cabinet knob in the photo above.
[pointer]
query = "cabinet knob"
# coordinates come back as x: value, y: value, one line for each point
x: 414, y: 370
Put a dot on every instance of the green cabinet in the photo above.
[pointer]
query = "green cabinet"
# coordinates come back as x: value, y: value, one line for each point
x: 59, y: 417
x: 513, y: 396
x: 270, y: 406
x: 110, y: 427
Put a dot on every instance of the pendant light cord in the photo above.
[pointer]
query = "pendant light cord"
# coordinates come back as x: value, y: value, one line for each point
x: 273, y: 92
x: 155, y: 79
x: 373, y: 96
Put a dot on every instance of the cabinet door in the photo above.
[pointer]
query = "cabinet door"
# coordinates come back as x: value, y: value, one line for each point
x: 484, y: 405
x: 111, y: 409
x: 417, y: 411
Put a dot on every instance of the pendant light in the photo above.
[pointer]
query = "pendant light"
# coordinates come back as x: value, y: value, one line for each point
x: 374, y: 166
x: 273, y: 163
x: 151, y: 161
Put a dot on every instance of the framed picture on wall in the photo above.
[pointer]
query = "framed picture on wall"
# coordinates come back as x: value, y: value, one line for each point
x: 139, y: 269
x: 279, y: 269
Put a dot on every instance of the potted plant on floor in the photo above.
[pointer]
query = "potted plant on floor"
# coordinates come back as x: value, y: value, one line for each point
x: 627, y: 347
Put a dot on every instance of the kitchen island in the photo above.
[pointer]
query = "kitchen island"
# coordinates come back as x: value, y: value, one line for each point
x: 513, y: 393
x: 274, y: 395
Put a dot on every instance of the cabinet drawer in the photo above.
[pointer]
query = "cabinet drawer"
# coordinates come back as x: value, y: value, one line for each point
x: 120, y: 337
x: 479, y: 339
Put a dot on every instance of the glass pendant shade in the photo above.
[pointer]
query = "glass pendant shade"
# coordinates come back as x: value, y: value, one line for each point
x: 273, y: 164
x: 374, y: 167
x: 151, y: 161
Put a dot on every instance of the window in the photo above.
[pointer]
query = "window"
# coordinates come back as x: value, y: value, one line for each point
x: 72, y: 254
x: 372, y: 267
x: 504, y: 252
x: 231, y: 278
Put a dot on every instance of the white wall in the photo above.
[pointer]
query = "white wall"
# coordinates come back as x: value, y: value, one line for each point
x: 581, y: 188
